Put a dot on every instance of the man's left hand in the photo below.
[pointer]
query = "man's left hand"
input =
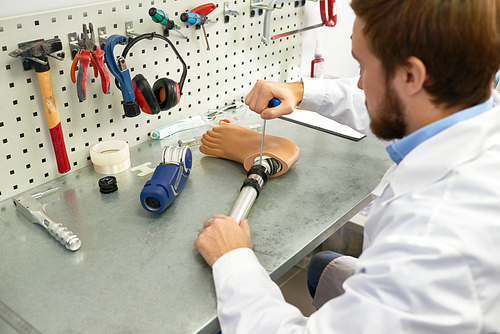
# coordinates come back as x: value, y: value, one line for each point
x: 220, y: 235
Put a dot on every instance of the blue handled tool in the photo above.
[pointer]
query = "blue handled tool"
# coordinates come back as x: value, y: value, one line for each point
x: 191, y: 18
x: 273, y: 103
x: 122, y: 75
x: 168, y: 179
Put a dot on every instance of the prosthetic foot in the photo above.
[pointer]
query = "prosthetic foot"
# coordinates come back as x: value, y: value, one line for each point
x: 234, y: 142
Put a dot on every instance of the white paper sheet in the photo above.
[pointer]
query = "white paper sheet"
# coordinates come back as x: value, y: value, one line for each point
x: 319, y: 122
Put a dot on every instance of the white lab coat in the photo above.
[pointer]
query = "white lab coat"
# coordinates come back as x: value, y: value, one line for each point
x: 432, y: 261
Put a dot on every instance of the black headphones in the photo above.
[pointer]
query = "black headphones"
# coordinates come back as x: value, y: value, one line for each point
x: 166, y: 93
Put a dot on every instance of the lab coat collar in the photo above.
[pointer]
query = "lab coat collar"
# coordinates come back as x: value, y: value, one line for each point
x: 437, y: 156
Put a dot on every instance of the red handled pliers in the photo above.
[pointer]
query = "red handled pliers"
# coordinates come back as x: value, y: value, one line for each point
x: 331, y: 20
x: 90, y: 53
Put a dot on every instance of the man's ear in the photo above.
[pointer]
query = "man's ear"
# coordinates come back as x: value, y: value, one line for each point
x: 413, y: 75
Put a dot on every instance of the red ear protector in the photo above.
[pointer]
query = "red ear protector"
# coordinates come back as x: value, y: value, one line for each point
x: 166, y: 93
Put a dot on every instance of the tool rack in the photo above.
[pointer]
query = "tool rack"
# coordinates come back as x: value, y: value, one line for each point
x: 215, y: 78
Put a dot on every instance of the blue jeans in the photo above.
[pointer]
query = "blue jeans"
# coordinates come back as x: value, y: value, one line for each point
x: 316, y: 266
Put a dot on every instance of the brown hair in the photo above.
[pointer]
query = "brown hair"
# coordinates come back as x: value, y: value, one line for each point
x: 457, y: 40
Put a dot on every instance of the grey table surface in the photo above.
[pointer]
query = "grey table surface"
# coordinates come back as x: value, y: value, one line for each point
x: 137, y: 272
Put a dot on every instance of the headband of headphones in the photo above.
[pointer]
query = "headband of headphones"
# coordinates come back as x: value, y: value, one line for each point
x: 122, y: 76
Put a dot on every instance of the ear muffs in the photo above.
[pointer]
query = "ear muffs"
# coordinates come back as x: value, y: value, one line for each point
x: 167, y: 93
x: 144, y: 95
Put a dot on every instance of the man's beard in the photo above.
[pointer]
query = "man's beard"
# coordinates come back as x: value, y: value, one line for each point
x: 389, y: 122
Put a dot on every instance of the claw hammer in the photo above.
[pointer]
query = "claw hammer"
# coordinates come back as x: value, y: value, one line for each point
x: 38, y: 52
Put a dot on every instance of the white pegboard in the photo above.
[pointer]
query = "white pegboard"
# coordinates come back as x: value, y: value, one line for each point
x: 215, y: 78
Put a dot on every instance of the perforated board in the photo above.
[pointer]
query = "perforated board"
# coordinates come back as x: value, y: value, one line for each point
x: 215, y: 78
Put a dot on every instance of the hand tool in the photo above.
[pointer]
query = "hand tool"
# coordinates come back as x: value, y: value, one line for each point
x: 198, y: 17
x: 293, y: 32
x: 257, y: 177
x: 137, y: 92
x: 39, y: 52
x: 122, y: 75
x: 158, y: 16
x: 331, y: 19
x: 168, y: 179
x: 273, y: 103
x: 30, y: 208
x: 191, y: 18
x: 90, y: 52
x: 262, y: 141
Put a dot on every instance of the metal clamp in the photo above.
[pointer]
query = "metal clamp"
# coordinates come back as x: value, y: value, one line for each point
x: 257, y: 4
x: 102, y: 35
x: 129, y: 29
x: 73, y: 44
x: 228, y: 11
x: 272, y: 5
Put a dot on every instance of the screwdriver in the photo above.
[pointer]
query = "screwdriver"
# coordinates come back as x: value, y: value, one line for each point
x: 273, y: 103
x: 191, y: 18
x: 159, y: 16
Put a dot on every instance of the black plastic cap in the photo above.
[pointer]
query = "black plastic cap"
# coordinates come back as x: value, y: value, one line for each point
x: 108, y: 184
x: 131, y: 109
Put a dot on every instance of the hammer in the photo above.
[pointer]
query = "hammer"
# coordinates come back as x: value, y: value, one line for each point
x: 38, y: 52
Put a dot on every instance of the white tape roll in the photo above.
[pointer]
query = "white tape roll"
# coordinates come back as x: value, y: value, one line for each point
x: 110, y: 157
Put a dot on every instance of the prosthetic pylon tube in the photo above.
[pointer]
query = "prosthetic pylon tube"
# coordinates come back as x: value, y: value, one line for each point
x: 257, y: 177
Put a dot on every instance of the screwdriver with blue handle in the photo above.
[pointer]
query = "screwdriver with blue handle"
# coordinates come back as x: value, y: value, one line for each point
x: 273, y: 103
x: 191, y: 18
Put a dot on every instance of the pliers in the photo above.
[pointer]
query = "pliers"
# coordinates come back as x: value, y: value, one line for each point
x: 90, y: 53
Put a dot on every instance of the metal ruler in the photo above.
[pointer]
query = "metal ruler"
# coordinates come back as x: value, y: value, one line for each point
x: 16, y: 321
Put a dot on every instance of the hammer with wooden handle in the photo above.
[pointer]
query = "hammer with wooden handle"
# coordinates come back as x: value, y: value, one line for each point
x: 38, y: 52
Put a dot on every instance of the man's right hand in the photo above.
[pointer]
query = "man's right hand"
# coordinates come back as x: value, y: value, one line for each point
x: 289, y: 94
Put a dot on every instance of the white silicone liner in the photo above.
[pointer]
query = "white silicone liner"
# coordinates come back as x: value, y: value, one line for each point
x: 110, y: 157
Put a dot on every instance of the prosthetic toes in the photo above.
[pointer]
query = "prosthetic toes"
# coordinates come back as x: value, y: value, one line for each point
x: 234, y: 142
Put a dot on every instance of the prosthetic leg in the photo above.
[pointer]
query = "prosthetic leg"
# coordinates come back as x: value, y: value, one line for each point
x: 240, y: 144
x: 234, y: 142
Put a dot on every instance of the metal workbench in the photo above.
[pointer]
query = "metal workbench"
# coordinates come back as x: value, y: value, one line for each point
x: 137, y: 272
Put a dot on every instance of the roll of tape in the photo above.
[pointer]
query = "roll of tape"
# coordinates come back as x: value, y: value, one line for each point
x: 110, y: 157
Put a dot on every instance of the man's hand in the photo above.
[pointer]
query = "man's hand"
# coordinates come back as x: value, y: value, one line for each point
x: 289, y: 94
x: 220, y: 235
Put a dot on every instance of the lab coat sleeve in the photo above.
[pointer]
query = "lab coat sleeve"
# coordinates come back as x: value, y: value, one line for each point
x: 338, y: 99
x: 403, y: 284
x: 245, y: 293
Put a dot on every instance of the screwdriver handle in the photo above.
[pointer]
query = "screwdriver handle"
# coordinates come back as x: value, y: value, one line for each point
x: 159, y: 16
x: 274, y: 103
x: 205, y: 9
x: 191, y: 18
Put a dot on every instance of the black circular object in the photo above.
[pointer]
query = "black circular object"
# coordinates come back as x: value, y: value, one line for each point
x: 108, y: 184
x: 153, y: 203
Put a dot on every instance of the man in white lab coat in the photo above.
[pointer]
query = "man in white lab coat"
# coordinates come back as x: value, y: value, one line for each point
x: 431, y: 262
